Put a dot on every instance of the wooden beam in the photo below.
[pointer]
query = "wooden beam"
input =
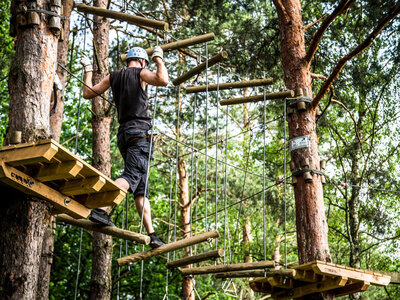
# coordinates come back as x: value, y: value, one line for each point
x: 57, y: 171
x: 31, y: 186
x: 229, y: 85
x: 102, y: 199
x: 83, y: 186
x: 195, y: 259
x: 180, y: 44
x: 268, y: 96
x: 227, y: 268
x: 352, y: 288
x: 131, y: 19
x: 324, y: 268
x: 167, y: 248
x: 29, y: 155
x: 200, y: 68
x: 240, y: 274
x: 113, y: 231
x: 312, y: 288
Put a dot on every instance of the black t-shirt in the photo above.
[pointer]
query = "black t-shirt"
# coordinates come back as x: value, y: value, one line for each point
x: 129, y: 96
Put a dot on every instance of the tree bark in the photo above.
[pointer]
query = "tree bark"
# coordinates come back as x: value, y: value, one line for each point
x: 56, y: 119
x: 101, y: 284
x: 24, y: 220
x: 312, y: 229
x: 62, y: 58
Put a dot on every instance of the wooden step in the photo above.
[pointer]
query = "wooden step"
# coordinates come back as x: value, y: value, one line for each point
x: 61, y: 174
x: 316, y: 277
x: 167, y: 248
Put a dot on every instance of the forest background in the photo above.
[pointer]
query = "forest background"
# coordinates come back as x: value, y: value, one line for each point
x: 358, y: 135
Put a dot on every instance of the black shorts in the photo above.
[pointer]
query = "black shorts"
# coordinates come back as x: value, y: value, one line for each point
x: 136, y: 160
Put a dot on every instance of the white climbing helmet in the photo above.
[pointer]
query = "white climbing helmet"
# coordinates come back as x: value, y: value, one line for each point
x: 137, y: 52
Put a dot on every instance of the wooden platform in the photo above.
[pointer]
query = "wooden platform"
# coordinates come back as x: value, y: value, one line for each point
x: 48, y: 170
x: 315, y: 277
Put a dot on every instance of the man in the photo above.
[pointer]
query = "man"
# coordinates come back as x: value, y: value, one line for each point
x: 129, y: 87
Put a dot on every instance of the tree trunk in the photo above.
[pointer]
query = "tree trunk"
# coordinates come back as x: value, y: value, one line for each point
x: 312, y: 228
x: 24, y: 220
x: 56, y: 119
x: 100, y: 284
x: 62, y: 58
x: 187, y: 282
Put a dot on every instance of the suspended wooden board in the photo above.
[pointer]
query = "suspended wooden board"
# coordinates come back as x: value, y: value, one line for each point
x: 48, y: 170
x: 316, y: 277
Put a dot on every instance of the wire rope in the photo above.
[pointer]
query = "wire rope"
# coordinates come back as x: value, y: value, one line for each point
x: 284, y: 178
x: 263, y: 195
x: 206, y: 141
x: 216, y: 158
x: 76, y: 151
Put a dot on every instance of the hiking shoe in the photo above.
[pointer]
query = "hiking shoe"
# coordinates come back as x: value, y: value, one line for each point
x: 155, y: 241
x: 100, y: 216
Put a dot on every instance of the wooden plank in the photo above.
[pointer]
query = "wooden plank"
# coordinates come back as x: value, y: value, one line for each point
x: 307, y: 276
x: 180, y: 44
x: 268, y: 96
x: 83, y: 186
x: 131, y: 19
x: 167, y: 248
x: 335, y: 270
x: 102, y: 199
x: 318, y: 287
x: 195, y: 259
x: 31, y: 186
x: 280, y: 282
x: 200, y: 68
x: 113, y: 231
x: 352, y: 288
x: 29, y: 155
x: 57, y: 171
x: 229, y: 85
x: 228, y: 268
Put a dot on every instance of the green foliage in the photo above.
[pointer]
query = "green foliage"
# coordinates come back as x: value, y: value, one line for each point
x: 368, y: 87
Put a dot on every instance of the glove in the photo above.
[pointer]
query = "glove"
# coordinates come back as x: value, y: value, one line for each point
x: 86, y: 63
x: 157, y: 52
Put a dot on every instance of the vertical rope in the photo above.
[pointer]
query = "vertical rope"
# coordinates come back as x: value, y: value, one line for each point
x: 147, y: 177
x: 206, y: 142
x: 76, y: 151
x: 284, y: 176
x: 177, y: 163
x: 225, y: 179
x: 216, y: 160
x: 191, y: 169
x: 263, y: 196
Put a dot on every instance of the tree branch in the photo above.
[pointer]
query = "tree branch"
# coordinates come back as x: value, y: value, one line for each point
x: 308, y: 26
x: 355, y: 124
x: 316, y: 39
x: 361, y: 47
